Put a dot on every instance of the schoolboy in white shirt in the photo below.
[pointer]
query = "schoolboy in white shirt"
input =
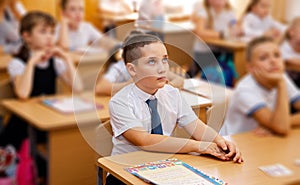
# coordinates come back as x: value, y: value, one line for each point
x: 263, y: 97
x: 138, y: 125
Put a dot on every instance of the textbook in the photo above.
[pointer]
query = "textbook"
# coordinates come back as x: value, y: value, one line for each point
x: 171, y: 172
x: 71, y: 105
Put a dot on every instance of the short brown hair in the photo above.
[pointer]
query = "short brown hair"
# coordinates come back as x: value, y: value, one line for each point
x: 33, y: 18
x: 133, y: 43
x: 254, y: 43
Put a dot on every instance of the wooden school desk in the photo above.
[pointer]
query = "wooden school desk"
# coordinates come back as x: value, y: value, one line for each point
x: 218, y: 94
x: 257, y: 151
x: 70, y: 159
x: 88, y: 66
x: 238, y: 49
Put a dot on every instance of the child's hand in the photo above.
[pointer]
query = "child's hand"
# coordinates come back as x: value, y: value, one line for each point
x: 41, y: 56
x: 274, y: 33
x: 261, y: 131
x: 58, y: 52
x: 64, y: 19
x: 266, y: 77
x: 212, y: 149
x: 231, y: 150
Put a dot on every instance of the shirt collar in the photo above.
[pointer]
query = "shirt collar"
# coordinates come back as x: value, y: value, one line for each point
x: 145, y: 96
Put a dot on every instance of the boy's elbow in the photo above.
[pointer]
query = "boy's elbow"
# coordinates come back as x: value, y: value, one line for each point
x: 283, y: 131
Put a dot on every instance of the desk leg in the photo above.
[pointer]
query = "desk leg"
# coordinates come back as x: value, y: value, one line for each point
x: 71, y: 160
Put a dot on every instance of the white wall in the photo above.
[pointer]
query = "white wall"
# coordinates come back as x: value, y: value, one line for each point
x: 292, y: 9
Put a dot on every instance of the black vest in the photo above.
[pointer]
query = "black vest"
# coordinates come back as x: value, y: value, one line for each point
x: 44, y: 80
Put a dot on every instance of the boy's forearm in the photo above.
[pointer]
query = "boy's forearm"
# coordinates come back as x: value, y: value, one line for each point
x: 159, y: 143
x: 281, y: 116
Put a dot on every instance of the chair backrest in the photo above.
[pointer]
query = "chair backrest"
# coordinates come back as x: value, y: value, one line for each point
x: 104, y: 135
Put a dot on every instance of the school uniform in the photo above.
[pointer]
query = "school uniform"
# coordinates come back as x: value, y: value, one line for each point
x: 117, y: 73
x: 128, y: 109
x: 44, y: 83
x: 81, y: 38
x: 248, y: 97
x: 255, y: 26
x: 289, y: 53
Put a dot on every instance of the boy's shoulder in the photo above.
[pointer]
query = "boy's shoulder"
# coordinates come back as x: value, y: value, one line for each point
x: 247, y: 83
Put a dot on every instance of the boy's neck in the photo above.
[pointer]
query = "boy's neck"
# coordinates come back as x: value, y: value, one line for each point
x: 146, y: 90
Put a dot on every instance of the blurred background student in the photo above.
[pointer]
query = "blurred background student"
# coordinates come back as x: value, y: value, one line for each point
x: 10, y: 41
x: 262, y: 98
x: 73, y: 33
x: 257, y: 20
x: 151, y: 17
x: 14, y: 12
x: 213, y: 20
x: 290, y: 49
x: 113, y: 8
x: 114, y: 74
x: 33, y: 72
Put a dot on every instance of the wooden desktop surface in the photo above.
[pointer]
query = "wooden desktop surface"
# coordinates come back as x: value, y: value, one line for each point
x: 45, y: 118
x: 257, y: 151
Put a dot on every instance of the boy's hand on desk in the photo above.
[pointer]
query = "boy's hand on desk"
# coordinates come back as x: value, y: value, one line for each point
x: 212, y: 149
x: 231, y: 150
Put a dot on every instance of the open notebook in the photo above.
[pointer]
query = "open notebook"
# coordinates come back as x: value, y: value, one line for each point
x: 71, y: 105
x: 172, y: 171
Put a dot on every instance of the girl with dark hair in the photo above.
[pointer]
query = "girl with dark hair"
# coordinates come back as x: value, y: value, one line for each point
x: 34, y: 70
x: 257, y: 20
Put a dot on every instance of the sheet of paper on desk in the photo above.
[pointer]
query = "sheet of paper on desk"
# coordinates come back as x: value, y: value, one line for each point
x: 172, y: 171
x: 276, y: 170
x: 197, y: 87
x: 194, y: 100
x: 71, y: 105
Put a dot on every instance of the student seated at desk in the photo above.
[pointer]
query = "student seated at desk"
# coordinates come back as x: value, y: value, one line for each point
x: 113, y: 8
x: 10, y: 41
x: 263, y: 97
x: 34, y: 70
x: 290, y: 49
x: 114, y: 75
x: 145, y: 113
x: 151, y: 17
x: 214, y: 19
x: 257, y: 21
x: 73, y: 33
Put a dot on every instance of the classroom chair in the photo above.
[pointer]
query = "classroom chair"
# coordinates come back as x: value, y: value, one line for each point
x: 104, y: 135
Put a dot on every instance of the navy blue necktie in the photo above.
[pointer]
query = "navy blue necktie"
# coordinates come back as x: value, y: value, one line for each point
x: 155, y: 119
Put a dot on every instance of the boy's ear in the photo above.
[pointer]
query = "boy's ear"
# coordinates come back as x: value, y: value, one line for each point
x: 131, y: 69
